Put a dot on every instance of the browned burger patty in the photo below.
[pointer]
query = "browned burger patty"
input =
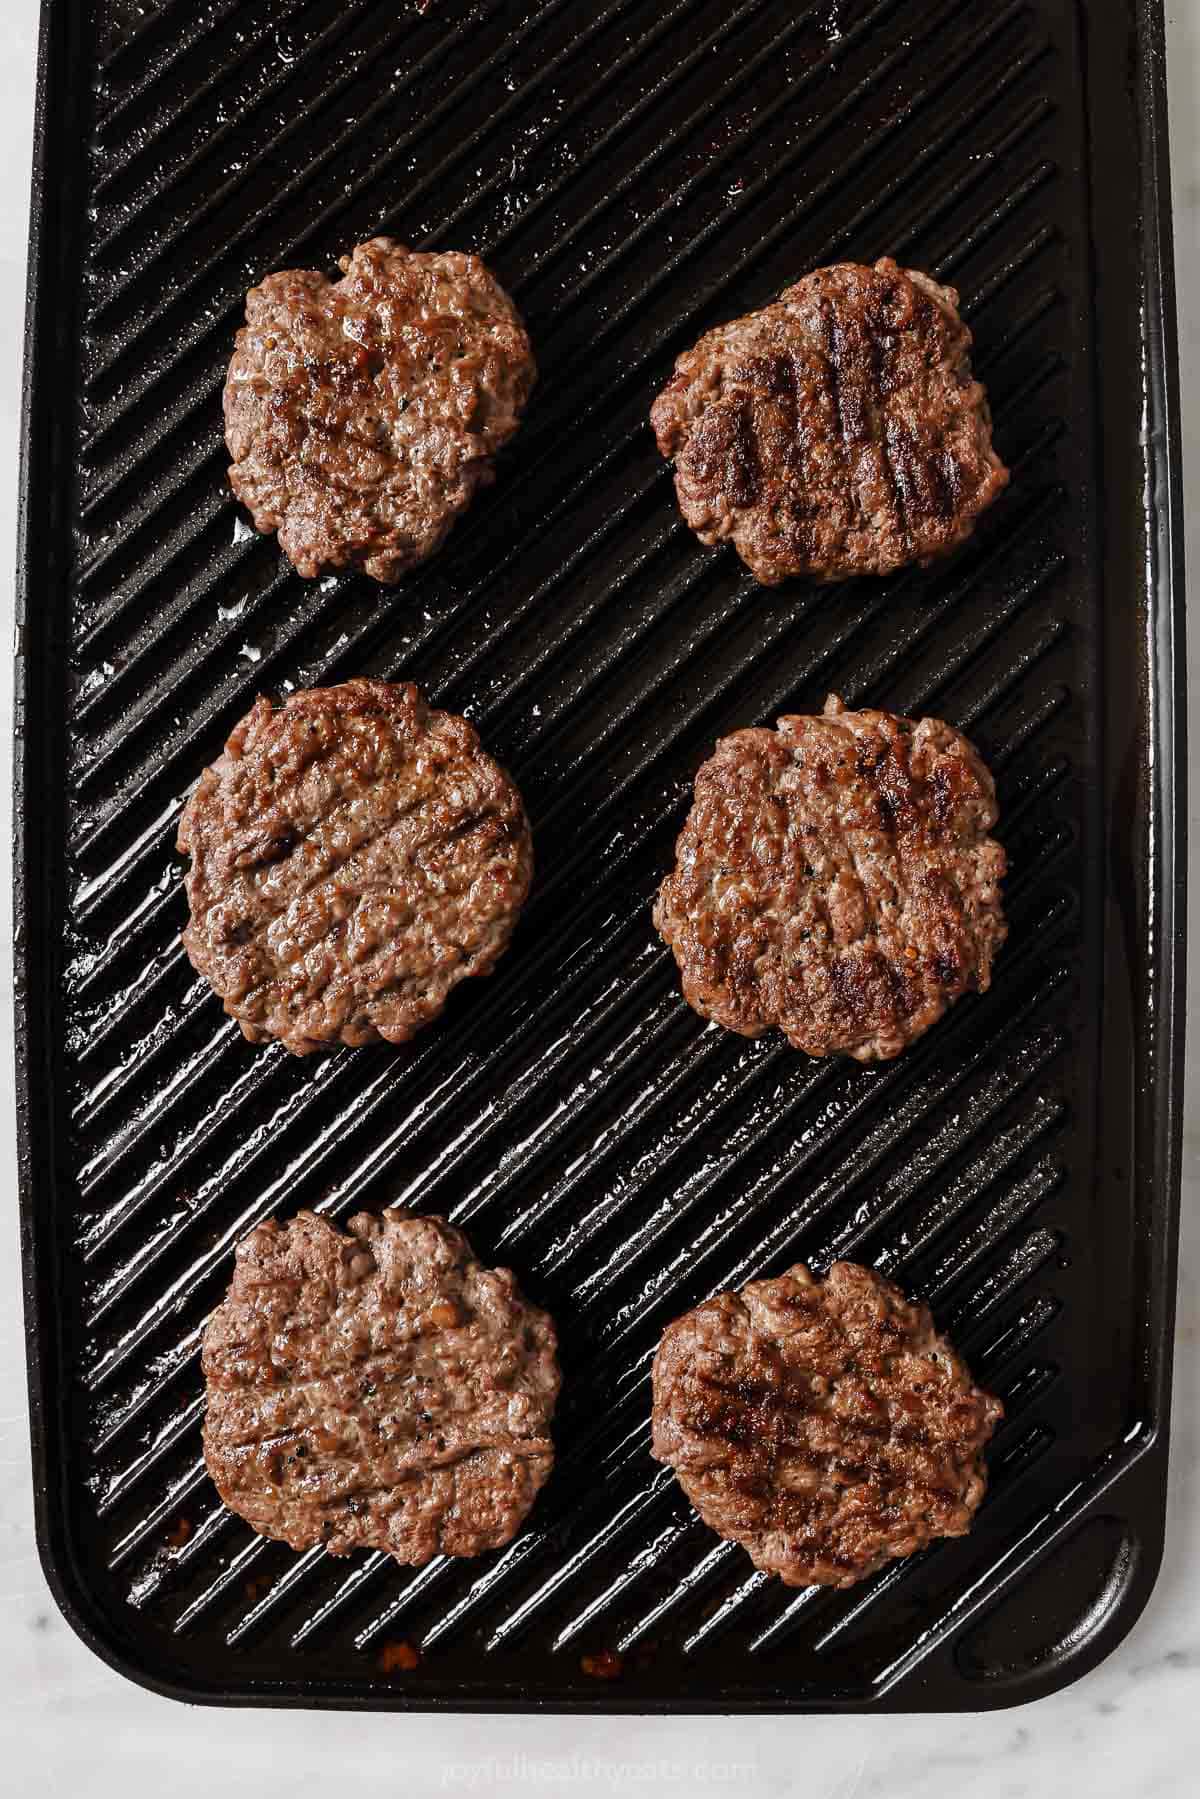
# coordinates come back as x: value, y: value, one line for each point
x: 380, y: 1390
x: 822, y: 1424
x: 354, y: 856
x: 835, y: 878
x: 837, y: 432
x: 363, y: 414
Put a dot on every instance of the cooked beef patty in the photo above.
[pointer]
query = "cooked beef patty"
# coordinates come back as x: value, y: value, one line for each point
x: 363, y: 414
x: 837, y: 432
x: 354, y: 856
x: 380, y: 1390
x: 835, y: 878
x: 822, y: 1424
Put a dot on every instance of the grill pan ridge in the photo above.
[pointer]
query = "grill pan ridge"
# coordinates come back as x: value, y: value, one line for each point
x: 635, y: 174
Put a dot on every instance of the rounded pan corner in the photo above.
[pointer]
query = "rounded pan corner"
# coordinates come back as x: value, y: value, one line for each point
x: 1066, y: 1665
x: 1046, y: 1684
x: 75, y: 1601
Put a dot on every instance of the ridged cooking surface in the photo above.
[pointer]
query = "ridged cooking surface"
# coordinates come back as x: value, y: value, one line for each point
x: 571, y: 1112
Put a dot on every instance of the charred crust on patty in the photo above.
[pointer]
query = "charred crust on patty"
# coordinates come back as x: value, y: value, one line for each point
x: 822, y: 1424
x: 377, y: 1389
x: 363, y: 415
x: 354, y: 856
x: 837, y: 432
x: 836, y: 879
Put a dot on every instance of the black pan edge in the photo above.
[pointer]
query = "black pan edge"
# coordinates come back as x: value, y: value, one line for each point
x: 1136, y: 1486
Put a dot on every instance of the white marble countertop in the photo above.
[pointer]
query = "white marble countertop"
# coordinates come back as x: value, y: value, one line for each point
x: 70, y: 1725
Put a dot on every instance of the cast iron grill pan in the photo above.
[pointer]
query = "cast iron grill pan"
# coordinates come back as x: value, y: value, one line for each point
x: 635, y: 173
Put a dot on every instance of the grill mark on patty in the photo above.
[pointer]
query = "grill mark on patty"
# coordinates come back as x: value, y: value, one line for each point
x: 429, y: 882
x: 724, y: 449
x: 311, y: 884
x: 830, y: 882
x: 879, y: 356
x: 297, y: 1442
x: 320, y: 376
x: 869, y: 444
x: 822, y: 1424
x: 839, y: 375
x: 404, y: 1435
